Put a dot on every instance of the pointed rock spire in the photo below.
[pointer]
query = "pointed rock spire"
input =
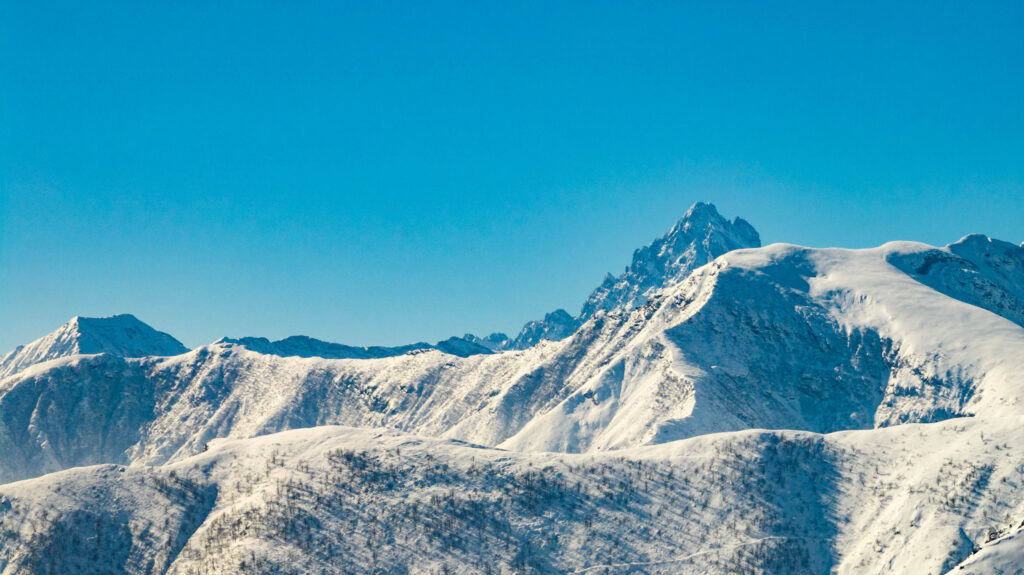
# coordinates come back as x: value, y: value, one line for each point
x: 699, y: 237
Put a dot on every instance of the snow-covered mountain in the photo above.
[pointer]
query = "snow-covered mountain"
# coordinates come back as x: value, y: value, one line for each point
x: 121, y: 335
x: 827, y: 340
x: 776, y: 409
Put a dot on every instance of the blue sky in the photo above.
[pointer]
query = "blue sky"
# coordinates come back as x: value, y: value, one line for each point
x: 380, y: 173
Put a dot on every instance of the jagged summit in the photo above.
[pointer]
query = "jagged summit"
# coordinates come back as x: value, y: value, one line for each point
x: 123, y: 335
x: 701, y: 235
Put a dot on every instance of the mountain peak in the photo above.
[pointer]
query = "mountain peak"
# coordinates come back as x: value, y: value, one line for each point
x: 701, y: 235
x: 980, y: 243
x: 701, y: 210
x: 702, y: 222
x: 556, y: 325
x: 123, y: 335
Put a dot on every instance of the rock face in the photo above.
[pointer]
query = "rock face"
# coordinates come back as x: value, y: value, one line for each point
x: 121, y: 335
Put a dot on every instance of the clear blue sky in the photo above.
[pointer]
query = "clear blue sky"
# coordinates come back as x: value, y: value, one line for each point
x: 380, y: 173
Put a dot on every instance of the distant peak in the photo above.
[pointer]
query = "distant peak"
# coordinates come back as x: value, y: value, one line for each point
x: 122, y: 319
x: 558, y: 315
x: 973, y: 239
x: 700, y: 224
x: 123, y: 335
x: 701, y: 209
x: 701, y: 235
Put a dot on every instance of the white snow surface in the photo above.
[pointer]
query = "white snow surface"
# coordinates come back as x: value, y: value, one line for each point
x: 914, y: 498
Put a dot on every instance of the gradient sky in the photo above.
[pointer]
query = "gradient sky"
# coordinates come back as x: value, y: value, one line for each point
x: 381, y: 173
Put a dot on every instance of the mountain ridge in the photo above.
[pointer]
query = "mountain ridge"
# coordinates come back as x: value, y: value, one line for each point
x: 304, y: 346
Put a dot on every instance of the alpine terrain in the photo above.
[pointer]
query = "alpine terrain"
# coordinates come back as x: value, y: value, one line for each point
x: 718, y: 407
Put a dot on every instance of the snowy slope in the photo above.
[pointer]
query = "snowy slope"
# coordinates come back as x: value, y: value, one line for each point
x: 908, y: 499
x: 297, y: 502
x: 122, y: 335
x: 789, y: 337
x: 79, y: 410
x: 1001, y: 555
x: 979, y: 270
